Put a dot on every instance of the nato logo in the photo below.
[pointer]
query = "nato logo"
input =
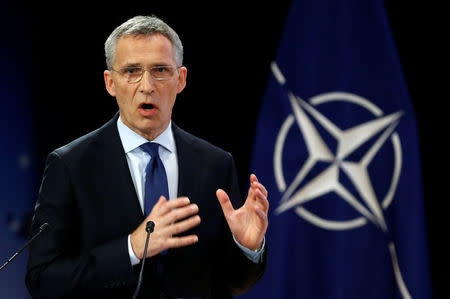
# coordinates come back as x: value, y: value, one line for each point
x: 340, y: 167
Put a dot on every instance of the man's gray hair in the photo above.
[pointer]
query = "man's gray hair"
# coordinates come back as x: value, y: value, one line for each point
x: 142, y: 25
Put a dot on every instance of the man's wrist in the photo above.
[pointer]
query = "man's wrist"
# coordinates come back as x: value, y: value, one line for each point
x: 253, y: 255
x: 133, y: 259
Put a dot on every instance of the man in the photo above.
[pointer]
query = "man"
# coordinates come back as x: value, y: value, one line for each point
x: 99, y: 191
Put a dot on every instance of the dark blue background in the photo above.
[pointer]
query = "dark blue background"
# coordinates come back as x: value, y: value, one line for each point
x: 52, y: 61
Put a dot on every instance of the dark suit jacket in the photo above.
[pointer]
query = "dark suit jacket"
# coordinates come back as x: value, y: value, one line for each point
x: 88, y: 198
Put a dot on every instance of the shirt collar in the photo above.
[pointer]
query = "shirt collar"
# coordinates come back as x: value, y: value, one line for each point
x: 131, y: 140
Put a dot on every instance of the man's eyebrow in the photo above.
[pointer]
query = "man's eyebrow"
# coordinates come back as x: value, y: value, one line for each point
x: 160, y: 64
x: 132, y: 65
x: 137, y: 64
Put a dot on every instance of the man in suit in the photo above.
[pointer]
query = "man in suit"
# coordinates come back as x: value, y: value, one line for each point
x: 97, y: 194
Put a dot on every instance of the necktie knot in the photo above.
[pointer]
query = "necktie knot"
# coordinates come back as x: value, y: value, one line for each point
x: 151, y: 148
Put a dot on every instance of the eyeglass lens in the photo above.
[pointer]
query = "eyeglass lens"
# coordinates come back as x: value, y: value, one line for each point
x: 135, y: 74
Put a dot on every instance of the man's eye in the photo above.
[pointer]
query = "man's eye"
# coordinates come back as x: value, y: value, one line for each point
x: 161, y: 69
x: 131, y: 70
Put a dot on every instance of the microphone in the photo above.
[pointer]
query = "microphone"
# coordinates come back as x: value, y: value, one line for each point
x: 150, y: 226
x: 43, y: 228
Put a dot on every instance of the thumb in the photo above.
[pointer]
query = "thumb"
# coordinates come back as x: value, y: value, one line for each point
x: 225, y: 202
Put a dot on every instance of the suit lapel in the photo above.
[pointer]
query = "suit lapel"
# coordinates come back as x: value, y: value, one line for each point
x: 189, y: 163
x: 117, y: 173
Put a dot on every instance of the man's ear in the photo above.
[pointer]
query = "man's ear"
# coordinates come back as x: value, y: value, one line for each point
x: 182, y: 79
x: 109, y: 83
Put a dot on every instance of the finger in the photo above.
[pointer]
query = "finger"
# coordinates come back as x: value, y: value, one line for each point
x: 179, y: 213
x: 259, y: 195
x: 261, y: 201
x: 250, y: 192
x: 262, y: 215
x: 156, y: 208
x: 181, y: 241
x: 254, y: 183
x: 257, y: 199
x: 225, y: 202
x: 174, y: 204
x: 182, y: 226
x: 162, y: 199
x: 253, y: 178
x: 261, y: 187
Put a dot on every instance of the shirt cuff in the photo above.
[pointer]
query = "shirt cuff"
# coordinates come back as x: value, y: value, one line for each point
x: 134, y: 260
x: 254, y: 256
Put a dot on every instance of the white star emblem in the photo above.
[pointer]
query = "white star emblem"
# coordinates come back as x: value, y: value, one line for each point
x: 348, y: 141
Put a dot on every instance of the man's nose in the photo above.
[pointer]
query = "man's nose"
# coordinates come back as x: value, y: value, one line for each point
x: 146, y: 83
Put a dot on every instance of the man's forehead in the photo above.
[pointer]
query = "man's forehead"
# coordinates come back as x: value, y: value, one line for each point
x: 133, y: 49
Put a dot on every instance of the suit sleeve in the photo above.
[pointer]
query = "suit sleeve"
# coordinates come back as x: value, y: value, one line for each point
x: 58, y: 265
x: 241, y: 273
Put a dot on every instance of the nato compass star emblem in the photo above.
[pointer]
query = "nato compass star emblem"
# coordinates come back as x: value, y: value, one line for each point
x: 303, y: 188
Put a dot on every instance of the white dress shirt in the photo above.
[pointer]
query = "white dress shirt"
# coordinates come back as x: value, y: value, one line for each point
x: 137, y: 162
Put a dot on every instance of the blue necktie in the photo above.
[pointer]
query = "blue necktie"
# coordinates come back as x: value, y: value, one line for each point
x: 155, y: 178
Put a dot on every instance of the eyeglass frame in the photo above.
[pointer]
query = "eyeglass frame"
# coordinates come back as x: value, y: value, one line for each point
x: 143, y: 70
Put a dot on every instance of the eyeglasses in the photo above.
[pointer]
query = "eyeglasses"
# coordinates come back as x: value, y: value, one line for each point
x: 134, y: 74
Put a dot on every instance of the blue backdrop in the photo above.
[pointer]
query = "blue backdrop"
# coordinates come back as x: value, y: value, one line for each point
x: 336, y: 146
x: 17, y: 171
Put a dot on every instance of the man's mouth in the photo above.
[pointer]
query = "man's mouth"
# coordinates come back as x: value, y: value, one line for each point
x: 147, y: 107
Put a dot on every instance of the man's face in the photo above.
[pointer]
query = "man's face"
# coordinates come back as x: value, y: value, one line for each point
x: 159, y: 96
